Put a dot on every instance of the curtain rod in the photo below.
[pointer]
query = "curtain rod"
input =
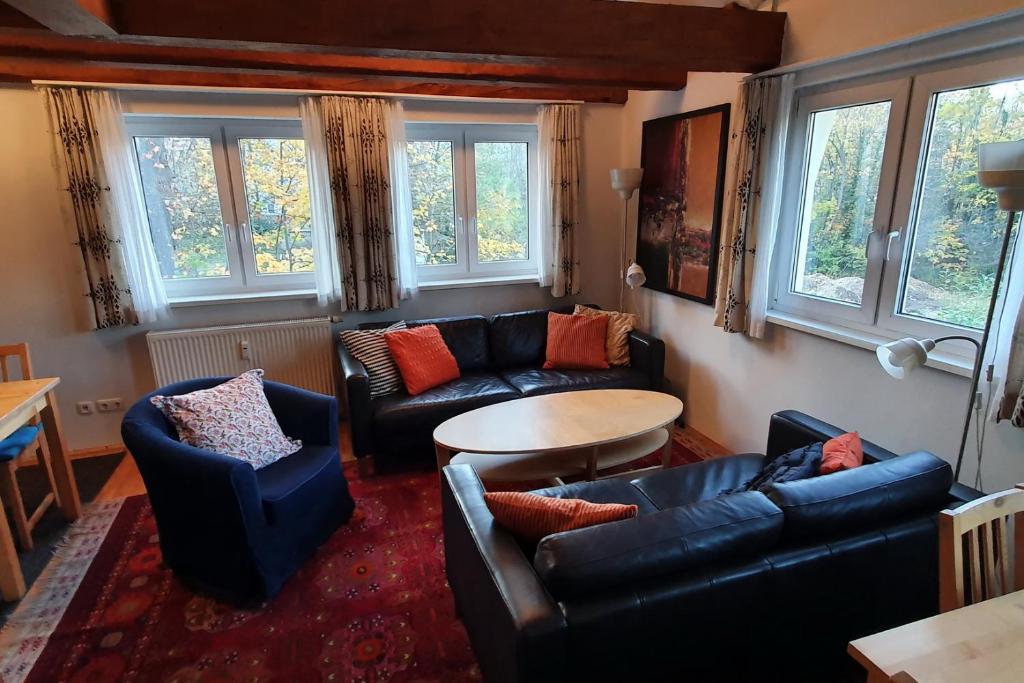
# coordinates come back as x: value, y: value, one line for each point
x: 997, y: 21
x: 296, y: 92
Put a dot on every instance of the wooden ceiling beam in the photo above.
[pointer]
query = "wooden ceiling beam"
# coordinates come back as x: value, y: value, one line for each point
x: 633, y: 75
x: 692, y: 38
x: 70, y: 17
x: 21, y: 69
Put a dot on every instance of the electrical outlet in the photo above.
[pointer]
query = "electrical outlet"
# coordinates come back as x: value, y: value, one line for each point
x: 85, y: 407
x: 108, y: 405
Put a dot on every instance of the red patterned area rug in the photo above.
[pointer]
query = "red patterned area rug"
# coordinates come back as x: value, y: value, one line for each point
x: 372, y: 605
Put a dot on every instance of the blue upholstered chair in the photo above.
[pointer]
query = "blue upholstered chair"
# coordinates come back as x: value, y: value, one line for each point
x: 226, y: 528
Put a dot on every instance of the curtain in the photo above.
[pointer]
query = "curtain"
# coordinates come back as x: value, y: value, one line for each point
x: 1008, y: 358
x: 104, y: 204
x: 559, y: 142
x: 401, y: 200
x: 326, y: 268
x: 358, y: 161
x: 752, y: 212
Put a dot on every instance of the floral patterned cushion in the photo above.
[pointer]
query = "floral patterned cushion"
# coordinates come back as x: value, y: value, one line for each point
x: 233, y: 418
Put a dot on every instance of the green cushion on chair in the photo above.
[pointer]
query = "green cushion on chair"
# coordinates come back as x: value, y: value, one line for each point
x: 12, y: 446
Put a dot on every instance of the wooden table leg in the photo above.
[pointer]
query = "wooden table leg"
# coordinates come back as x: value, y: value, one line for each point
x: 666, y: 450
x: 63, y: 475
x: 444, y: 456
x: 12, y: 583
x: 592, y: 464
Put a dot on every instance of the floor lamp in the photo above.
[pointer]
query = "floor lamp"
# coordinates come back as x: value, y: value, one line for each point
x: 1001, y: 168
x: 625, y: 181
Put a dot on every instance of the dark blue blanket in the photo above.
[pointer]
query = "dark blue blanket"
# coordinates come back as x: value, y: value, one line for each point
x: 801, y: 463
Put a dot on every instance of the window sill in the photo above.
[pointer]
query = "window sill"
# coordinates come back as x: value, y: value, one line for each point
x: 946, y: 362
x: 479, y: 282
x: 252, y: 297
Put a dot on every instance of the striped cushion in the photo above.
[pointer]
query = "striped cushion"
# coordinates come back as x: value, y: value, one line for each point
x: 619, y: 326
x: 422, y: 357
x: 533, y: 517
x: 369, y: 348
x: 576, y: 342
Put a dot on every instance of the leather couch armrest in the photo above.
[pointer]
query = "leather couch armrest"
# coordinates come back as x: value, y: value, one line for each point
x: 355, y: 401
x: 518, y: 632
x: 647, y: 354
x: 791, y: 429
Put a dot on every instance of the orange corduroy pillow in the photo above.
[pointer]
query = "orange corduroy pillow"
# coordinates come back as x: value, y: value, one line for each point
x: 576, y: 342
x: 422, y: 358
x: 841, y: 453
x: 533, y: 517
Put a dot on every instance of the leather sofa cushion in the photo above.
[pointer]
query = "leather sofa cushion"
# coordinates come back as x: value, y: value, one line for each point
x: 518, y: 339
x: 603, y: 491
x: 670, y: 541
x: 287, y: 486
x: 863, y: 497
x: 698, y: 481
x: 402, y: 414
x: 538, y: 382
x: 466, y: 338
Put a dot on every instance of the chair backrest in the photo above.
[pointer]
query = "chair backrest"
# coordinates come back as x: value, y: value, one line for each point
x: 981, y: 549
x: 19, y: 351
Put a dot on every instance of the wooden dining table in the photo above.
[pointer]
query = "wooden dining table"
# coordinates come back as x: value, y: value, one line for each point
x: 19, y: 402
x: 983, y: 642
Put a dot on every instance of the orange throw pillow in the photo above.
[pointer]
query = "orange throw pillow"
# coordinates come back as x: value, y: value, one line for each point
x: 576, y: 342
x: 841, y: 453
x: 422, y: 357
x: 533, y: 517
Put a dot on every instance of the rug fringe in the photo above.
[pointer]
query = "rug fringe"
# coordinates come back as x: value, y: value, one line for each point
x: 30, y: 626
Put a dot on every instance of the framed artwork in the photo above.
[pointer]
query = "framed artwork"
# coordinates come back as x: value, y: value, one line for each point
x: 680, y: 211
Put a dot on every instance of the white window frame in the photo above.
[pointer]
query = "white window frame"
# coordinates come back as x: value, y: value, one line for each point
x: 468, y: 268
x: 888, y: 257
x: 224, y: 135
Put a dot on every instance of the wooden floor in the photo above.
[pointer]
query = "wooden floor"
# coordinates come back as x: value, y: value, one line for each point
x: 126, y: 480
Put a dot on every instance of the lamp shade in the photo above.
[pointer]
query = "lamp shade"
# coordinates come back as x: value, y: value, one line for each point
x: 899, y: 358
x: 625, y: 181
x: 635, y: 276
x: 1001, y: 168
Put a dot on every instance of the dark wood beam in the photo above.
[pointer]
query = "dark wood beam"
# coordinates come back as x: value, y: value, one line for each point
x: 21, y: 69
x: 692, y: 38
x: 70, y: 17
x: 633, y: 75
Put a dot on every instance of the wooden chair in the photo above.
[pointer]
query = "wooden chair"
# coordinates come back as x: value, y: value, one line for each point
x: 26, y: 439
x: 980, y: 549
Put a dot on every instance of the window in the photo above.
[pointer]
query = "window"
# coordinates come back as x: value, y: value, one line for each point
x: 884, y: 225
x: 473, y: 190
x: 227, y: 203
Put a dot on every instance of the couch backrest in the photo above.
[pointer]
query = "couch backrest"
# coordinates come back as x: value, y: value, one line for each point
x: 505, y: 340
x: 663, y: 543
x: 867, y: 496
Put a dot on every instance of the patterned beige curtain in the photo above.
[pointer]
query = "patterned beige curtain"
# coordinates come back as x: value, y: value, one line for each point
x: 79, y: 165
x: 559, y: 132
x: 748, y: 233
x: 357, y: 155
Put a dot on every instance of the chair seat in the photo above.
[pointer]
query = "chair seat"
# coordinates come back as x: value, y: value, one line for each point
x: 13, y: 445
x: 288, y: 485
x: 538, y: 382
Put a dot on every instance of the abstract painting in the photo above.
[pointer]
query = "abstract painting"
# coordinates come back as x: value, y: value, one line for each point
x: 680, y: 213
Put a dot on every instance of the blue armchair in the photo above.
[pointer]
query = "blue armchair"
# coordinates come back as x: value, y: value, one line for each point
x: 230, y: 530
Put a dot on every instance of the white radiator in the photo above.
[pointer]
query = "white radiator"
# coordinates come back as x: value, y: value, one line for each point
x: 296, y: 352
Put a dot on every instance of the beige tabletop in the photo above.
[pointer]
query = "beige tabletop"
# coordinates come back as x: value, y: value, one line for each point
x: 569, y: 420
x: 980, y: 642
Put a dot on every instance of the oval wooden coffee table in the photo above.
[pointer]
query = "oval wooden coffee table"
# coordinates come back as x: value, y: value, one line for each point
x: 557, y: 435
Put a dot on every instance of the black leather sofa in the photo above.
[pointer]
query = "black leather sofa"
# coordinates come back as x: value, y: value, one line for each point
x: 702, y: 587
x: 500, y: 359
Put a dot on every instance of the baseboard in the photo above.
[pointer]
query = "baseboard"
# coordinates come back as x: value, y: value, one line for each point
x: 81, y: 453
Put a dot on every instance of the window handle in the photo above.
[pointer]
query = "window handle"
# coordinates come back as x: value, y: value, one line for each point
x: 889, y: 239
x: 228, y: 232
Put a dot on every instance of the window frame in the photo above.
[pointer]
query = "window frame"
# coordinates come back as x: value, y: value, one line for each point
x: 882, y: 317
x: 468, y: 266
x: 224, y: 134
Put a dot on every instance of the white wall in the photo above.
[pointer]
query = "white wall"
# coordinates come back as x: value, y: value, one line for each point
x: 41, y: 285
x: 732, y: 384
